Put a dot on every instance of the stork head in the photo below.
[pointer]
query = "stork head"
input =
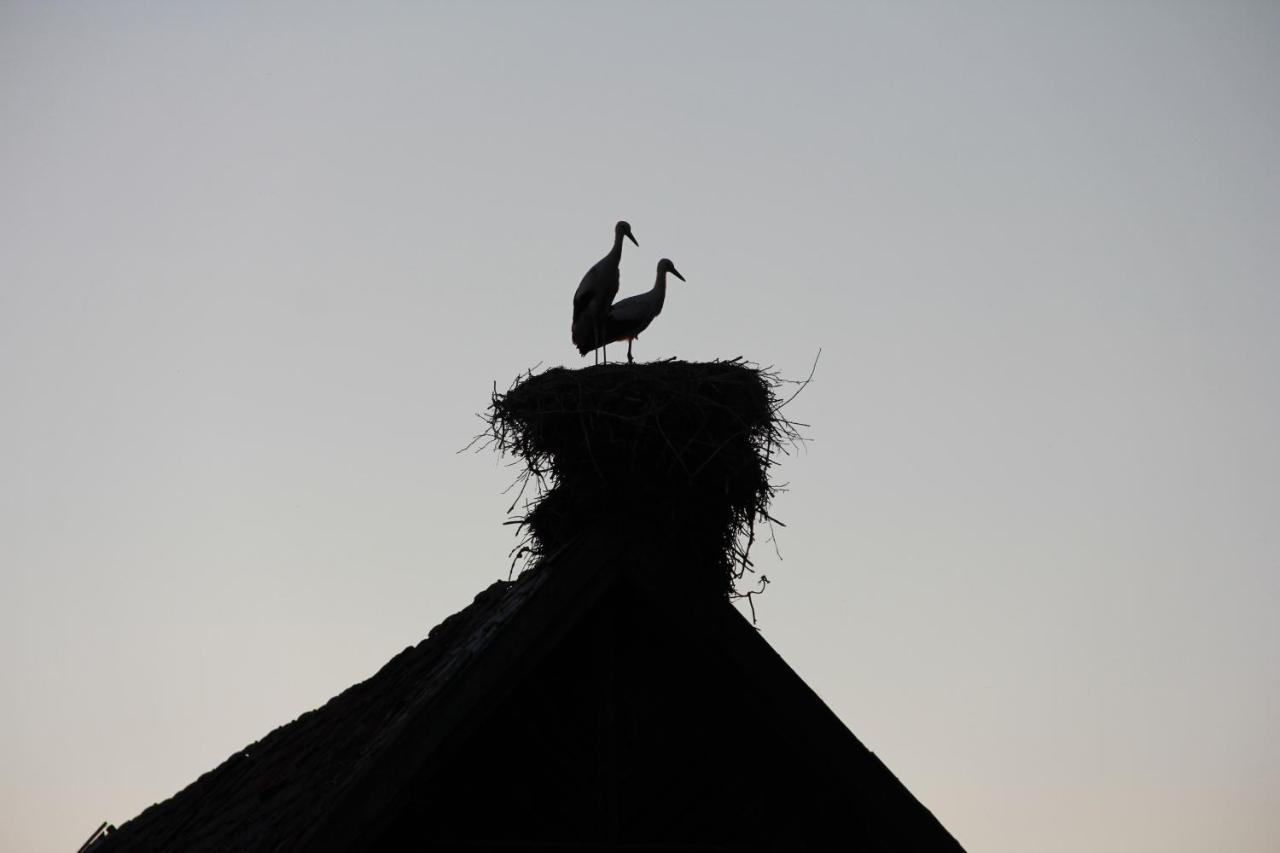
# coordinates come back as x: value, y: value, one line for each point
x: 665, y: 266
x: 623, y: 229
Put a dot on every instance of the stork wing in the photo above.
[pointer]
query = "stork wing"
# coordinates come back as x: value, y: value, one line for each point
x: 633, y: 309
x: 581, y: 302
x: 589, y: 289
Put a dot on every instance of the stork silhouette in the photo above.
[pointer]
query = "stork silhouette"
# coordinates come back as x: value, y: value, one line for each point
x: 595, y: 294
x: 627, y: 318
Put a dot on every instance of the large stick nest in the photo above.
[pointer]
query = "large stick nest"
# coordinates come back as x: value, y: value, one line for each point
x: 674, y: 452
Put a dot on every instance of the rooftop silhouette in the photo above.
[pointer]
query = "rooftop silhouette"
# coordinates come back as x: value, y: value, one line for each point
x: 609, y: 697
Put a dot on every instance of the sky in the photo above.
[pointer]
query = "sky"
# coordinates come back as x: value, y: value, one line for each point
x: 262, y: 264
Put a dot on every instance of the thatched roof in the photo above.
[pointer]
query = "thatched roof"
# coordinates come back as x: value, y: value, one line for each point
x: 475, y: 738
x: 269, y: 795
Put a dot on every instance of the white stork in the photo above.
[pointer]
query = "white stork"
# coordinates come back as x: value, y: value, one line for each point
x: 631, y: 316
x: 595, y: 294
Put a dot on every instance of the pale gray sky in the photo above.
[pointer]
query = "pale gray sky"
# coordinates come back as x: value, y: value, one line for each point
x: 259, y: 267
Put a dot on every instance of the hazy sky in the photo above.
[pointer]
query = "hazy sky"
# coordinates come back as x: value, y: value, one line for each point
x: 260, y: 267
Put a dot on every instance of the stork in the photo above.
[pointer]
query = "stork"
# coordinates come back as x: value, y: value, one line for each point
x: 595, y: 294
x: 631, y: 316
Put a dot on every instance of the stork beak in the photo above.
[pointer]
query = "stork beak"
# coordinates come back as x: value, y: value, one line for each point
x: 632, y: 239
x: 676, y: 274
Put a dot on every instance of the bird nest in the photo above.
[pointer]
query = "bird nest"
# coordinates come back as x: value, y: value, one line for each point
x: 672, y: 452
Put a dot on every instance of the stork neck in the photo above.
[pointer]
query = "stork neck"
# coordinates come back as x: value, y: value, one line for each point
x: 616, y: 251
x: 660, y: 289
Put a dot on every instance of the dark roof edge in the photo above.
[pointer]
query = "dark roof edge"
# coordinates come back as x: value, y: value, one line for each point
x: 727, y: 629
x: 572, y: 580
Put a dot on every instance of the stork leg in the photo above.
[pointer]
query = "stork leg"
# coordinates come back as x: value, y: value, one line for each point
x: 629, y: 358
